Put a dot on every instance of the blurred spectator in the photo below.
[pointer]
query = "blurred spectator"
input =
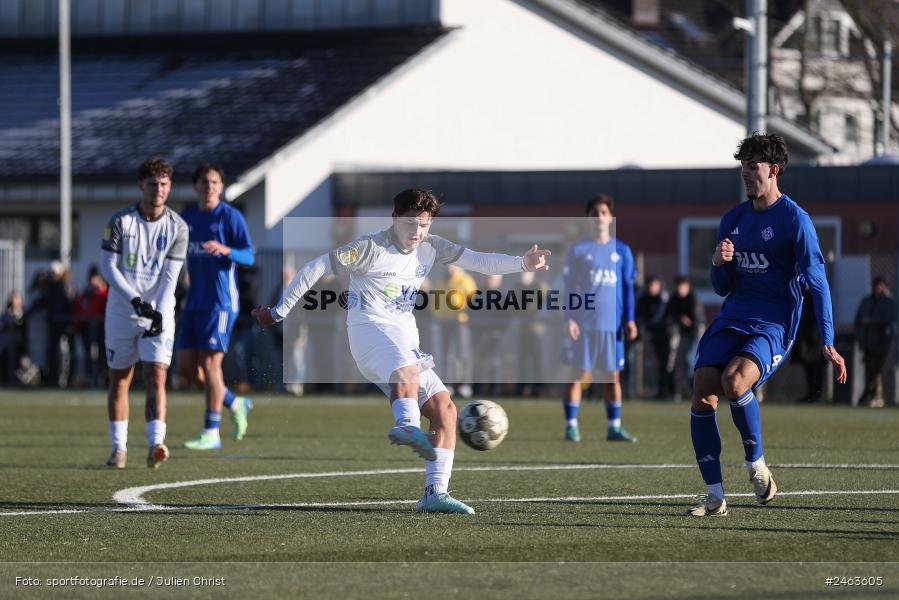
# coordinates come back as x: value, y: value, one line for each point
x: 12, y: 339
x: 875, y: 325
x: 807, y: 351
x: 650, y: 313
x: 488, y: 344
x: 36, y: 324
x: 242, y: 356
x: 531, y: 327
x: 89, y: 310
x: 459, y: 288
x: 60, y: 293
x: 686, y: 317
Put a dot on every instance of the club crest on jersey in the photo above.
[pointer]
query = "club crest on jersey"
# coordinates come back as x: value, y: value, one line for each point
x: 160, y: 242
x: 615, y: 257
x: 131, y: 259
x: 421, y: 270
x: 767, y: 233
x: 348, y: 257
x: 214, y: 227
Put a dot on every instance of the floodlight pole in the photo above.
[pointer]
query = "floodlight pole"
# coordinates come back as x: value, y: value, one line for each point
x: 887, y: 89
x: 65, y: 137
x: 756, y: 66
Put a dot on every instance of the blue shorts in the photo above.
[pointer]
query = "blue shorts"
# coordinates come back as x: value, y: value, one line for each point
x: 602, y: 350
x: 725, y: 340
x: 205, y: 330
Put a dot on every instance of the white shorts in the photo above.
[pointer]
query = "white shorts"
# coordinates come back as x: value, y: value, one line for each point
x: 381, y: 349
x: 125, y: 344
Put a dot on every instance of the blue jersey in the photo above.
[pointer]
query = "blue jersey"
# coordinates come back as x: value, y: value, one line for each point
x: 607, y: 272
x: 776, y: 251
x: 213, y: 282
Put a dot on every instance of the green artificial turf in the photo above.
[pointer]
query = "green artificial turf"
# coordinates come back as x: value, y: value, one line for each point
x: 545, y: 521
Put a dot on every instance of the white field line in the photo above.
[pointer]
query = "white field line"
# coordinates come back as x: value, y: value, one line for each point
x: 162, y: 507
x: 132, y: 498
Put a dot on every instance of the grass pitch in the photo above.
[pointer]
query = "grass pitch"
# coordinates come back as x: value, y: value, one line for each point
x: 316, y: 502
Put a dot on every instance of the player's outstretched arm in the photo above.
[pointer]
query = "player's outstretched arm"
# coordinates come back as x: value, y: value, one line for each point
x: 490, y: 263
x: 299, y: 285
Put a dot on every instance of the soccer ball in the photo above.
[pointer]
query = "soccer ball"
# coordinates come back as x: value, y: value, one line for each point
x: 483, y: 424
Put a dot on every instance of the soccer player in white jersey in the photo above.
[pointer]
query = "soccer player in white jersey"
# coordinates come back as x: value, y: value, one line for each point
x: 385, y: 270
x: 143, y: 250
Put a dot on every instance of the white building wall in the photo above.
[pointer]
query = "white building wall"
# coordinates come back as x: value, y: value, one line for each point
x: 508, y: 90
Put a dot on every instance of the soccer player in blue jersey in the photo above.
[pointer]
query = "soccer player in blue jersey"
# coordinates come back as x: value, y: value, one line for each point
x: 219, y: 241
x: 601, y: 266
x: 767, y: 250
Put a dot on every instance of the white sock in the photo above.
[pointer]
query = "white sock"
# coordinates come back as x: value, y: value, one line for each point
x: 571, y: 422
x: 212, y: 432
x: 118, y: 435
x: 716, y: 490
x: 406, y: 412
x: 155, y: 432
x: 756, y: 464
x: 437, y: 472
x: 616, y: 423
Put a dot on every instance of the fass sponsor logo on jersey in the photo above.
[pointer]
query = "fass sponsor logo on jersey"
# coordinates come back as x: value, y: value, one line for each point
x: 348, y: 256
x: 607, y: 277
x: 752, y: 261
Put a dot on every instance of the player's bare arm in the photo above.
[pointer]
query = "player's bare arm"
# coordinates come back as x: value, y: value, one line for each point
x: 839, y: 365
x: 216, y: 248
x: 263, y: 314
x: 724, y: 252
x: 535, y: 259
x: 574, y: 331
x: 630, y: 330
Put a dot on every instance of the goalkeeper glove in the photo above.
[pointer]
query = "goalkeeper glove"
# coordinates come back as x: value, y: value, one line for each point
x: 146, y: 310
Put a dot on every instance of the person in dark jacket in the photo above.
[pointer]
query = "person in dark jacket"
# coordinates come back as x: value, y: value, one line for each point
x: 650, y: 313
x: 686, y: 318
x: 875, y: 326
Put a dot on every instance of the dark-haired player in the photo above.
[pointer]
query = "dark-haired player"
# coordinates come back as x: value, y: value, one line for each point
x: 143, y: 251
x: 385, y: 270
x: 602, y: 266
x: 767, y: 249
x: 219, y: 242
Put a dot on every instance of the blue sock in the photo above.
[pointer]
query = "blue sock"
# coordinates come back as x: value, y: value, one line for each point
x: 613, y: 414
x: 212, y: 419
x: 229, y: 398
x: 571, y: 411
x: 707, y: 445
x: 748, y: 419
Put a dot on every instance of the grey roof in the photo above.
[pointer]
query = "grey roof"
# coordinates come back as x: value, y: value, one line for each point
x: 231, y: 99
x: 666, y: 64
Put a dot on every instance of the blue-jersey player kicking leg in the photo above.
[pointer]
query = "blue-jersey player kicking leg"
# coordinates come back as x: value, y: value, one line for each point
x: 219, y: 241
x: 767, y: 249
x: 599, y: 267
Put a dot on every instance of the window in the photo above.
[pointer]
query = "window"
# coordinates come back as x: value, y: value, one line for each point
x: 851, y: 129
x: 39, y: 233
x: 698, y: 236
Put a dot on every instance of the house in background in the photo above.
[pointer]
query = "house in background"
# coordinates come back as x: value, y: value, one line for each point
x: 825, y: 72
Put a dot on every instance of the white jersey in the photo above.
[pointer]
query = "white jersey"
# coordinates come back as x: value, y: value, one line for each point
x: 384, y: 278
x: 143, y: 246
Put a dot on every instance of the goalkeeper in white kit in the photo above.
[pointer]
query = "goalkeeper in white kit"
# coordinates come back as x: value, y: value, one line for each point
x: 382, y: 332
x: 143, y: 250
